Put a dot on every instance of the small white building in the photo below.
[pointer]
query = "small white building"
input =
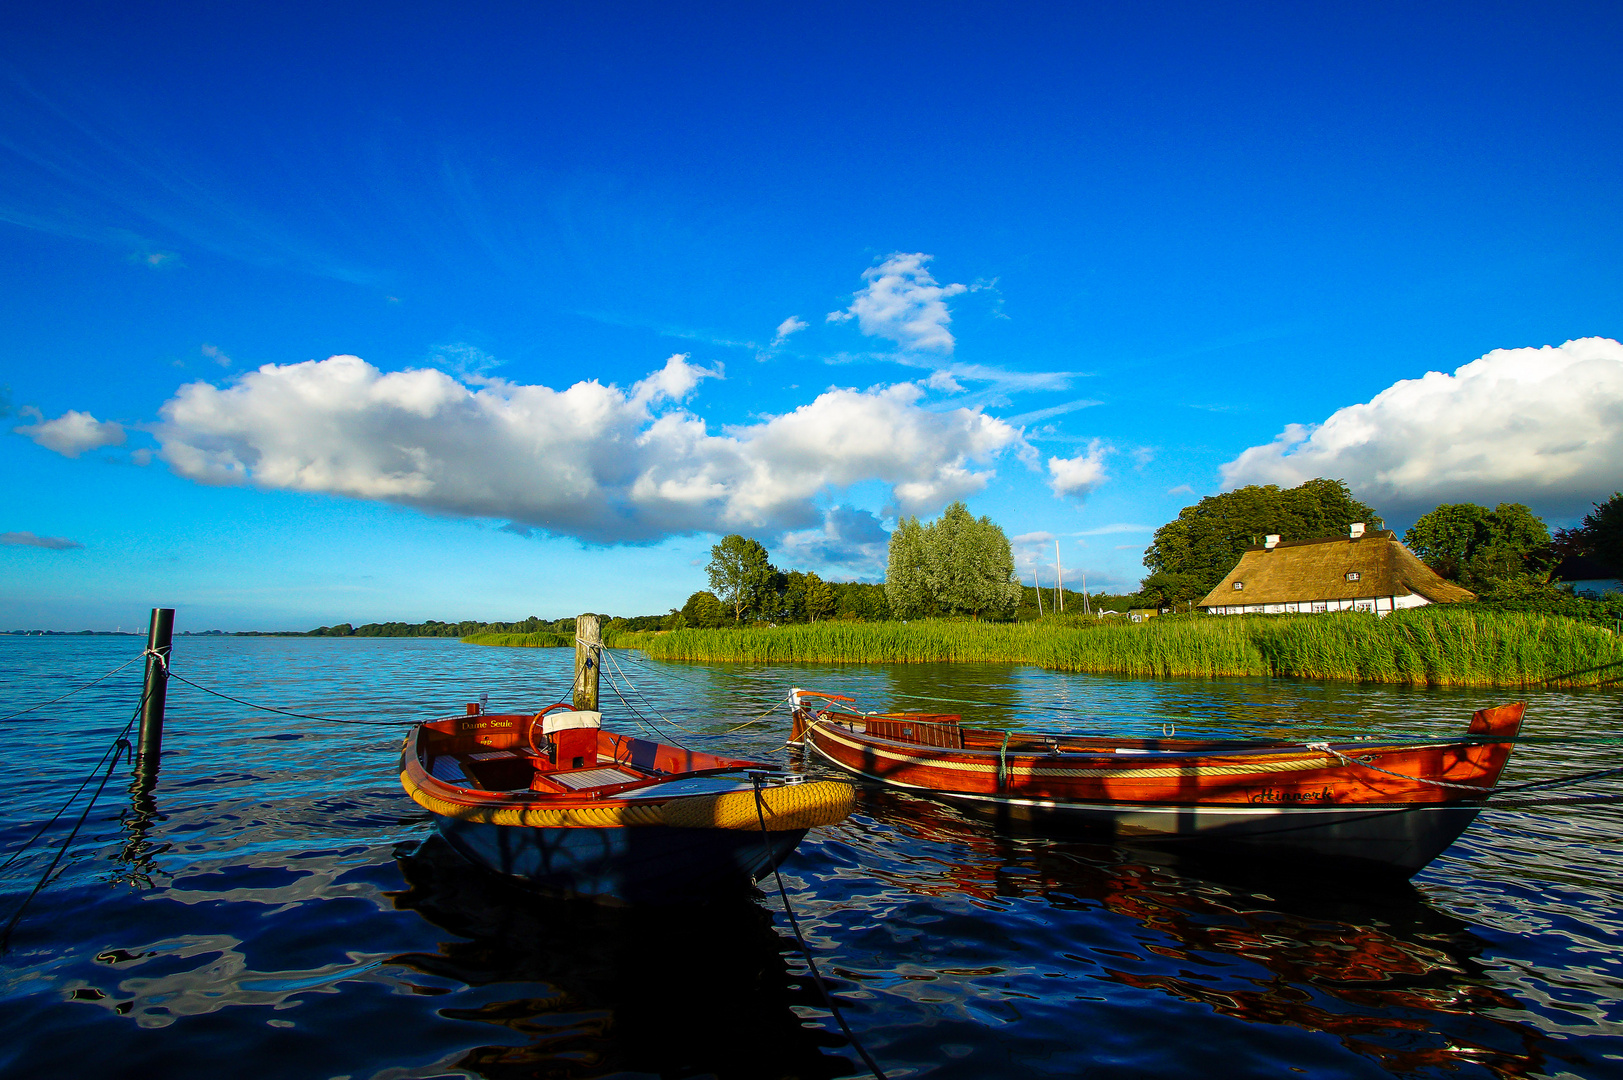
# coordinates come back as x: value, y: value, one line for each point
x: 1361, y: 571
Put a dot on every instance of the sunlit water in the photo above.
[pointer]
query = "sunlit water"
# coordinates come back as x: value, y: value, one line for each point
x: 282, y: 915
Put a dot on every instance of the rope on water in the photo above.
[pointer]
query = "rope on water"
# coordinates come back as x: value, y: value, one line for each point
x: 1582, y: 671
x: 805, y: 950
x: 75, y: 690
x: 118, y: 748
x: 286, y: 712
x: 621, y: 676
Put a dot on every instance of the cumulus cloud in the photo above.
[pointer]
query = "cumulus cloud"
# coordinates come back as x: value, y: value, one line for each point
x: 903, y: 303
x: 72, y: 433
x: 792, y: 325
x: 28, y: 539
x: 1539, y: 426
x: 1081, y: 475
x: 596, y: 462
x: 851, y: 541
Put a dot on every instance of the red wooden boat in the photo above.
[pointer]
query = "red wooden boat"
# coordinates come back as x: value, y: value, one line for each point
x: 555, y: 801
x: 1386, y: 805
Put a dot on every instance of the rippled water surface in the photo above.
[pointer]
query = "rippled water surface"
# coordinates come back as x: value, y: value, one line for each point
x: 281, y: 909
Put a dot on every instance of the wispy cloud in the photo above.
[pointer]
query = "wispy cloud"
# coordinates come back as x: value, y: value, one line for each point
x: 1052, y: 411
x: 794, y: 324
x: 1118, y: 527
x: 213, y: 352
x: 1181, y: 489
x: 28, y: 539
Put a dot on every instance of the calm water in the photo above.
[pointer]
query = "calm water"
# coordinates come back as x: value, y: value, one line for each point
x: 284, y: 913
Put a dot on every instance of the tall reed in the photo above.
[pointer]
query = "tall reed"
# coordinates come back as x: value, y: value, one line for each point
x: 1433, y: 646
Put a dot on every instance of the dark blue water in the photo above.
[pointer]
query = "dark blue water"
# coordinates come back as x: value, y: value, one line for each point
x: 281, y: 911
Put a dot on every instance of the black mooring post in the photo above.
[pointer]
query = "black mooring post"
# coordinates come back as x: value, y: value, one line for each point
x: 159, y: 636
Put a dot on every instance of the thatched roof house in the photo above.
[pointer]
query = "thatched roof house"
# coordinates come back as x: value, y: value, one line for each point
x: 1359, y: 572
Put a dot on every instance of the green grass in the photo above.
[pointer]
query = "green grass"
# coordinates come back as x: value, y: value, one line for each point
x: 1433, y: 646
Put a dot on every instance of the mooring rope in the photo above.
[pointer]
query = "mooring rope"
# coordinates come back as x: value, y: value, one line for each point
x: 286, y: 712
x: 75, y: 690
x: 800, y: 938
x: 621, y: 676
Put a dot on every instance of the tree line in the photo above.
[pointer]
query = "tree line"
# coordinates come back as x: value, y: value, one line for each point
x: 1506, y: 554
x: 962, y: 566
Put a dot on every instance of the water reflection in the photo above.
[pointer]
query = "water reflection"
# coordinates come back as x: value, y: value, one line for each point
x: 1393, y: 978
x: 586, y: 990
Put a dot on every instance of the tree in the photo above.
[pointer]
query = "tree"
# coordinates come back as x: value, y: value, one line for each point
x: 1600, y: 536
x: 907, y: 584
x: 703, y: 611
x: 957, y: 564
x: 741, y: 574
x: 1204, y: 542
x: 820, y: 598
x: 1472, y: 544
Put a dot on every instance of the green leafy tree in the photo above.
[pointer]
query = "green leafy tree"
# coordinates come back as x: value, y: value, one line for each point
x: 703, y: 611
x: 821, y: 600
x: 958, y: 564
x: 1204, y: 542
x: 1473, y: 545
x: 1599, y: 536
x: 907, y: 573
x: 741, y: 575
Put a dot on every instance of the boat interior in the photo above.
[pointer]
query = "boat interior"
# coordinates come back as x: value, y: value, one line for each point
x: 558, y: 751
x: 944, y: 730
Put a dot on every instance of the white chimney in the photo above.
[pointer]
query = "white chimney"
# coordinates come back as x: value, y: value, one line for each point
x: 1271, y: 541
x: 1355, y: 530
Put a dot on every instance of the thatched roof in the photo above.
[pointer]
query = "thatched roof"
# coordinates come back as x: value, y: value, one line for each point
x: 1301, y: 570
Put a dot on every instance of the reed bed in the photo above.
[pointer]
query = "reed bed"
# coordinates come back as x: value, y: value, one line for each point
x: 541, y: 639
x: 1431, y: 646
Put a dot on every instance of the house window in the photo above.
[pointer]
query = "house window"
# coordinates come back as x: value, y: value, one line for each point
x: 1352, y: 575
x: 1318, y: 607
x: 1238, y: 585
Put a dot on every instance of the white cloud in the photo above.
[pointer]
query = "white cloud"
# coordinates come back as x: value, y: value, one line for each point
x: 72, y: 433
x: 1539, y: 426
x: 903, y: 303
x: 792, y: 325
x: 1181, y: 489
x: 1079, y: 476
x: 851, y: 541
x: 595, y: 462
x: 213, y: 352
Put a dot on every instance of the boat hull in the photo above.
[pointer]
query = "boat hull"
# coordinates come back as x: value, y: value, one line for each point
x: 631, y: 865
x: 1391, y: 841
x: 1384, y: 808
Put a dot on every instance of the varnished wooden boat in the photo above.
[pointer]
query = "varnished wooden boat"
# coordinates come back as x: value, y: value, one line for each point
x: 553, y: 800
x: 1388, y: 806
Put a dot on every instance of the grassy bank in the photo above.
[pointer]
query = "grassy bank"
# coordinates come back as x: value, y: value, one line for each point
x: 1434, y: 646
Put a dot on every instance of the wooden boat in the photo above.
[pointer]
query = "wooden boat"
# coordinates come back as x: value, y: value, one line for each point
x: 1389, y: 806
x: 553, y: 800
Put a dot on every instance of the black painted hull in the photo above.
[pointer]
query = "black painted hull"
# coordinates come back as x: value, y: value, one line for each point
x: 635, y: 865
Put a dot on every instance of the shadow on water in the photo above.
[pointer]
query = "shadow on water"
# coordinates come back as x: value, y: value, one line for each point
x: 588, y: 990
x: 1373, y: 963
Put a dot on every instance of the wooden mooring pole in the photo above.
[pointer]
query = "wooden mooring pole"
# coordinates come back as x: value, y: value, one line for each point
x: 588, y: 655
x: 153, y: 694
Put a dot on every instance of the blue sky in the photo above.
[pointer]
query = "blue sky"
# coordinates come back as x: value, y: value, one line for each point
x: 400, y: 312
